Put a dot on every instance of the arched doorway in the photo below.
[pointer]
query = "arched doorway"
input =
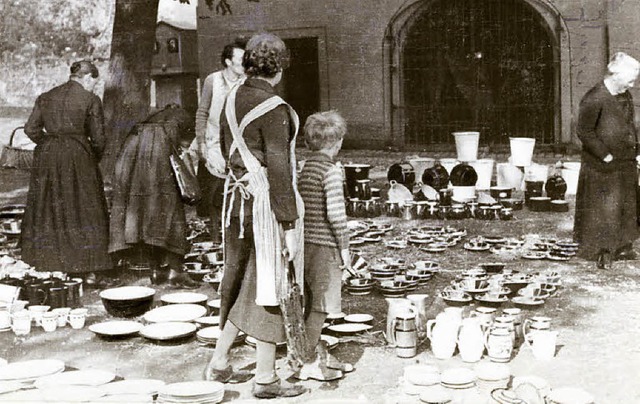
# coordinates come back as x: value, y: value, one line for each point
x: 488, y: 65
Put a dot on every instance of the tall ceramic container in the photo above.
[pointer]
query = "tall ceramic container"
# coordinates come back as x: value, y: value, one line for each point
x: 471, y: 340
x: 419, y: 302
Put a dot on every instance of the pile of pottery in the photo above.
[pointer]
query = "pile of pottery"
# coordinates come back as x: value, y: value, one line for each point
x: 45, y: 380
x: 362, y: 232
x: 393, y: 277
x: 10, y: 229
x: 485, y: 383
x: 527, y: 291
x: 431, y: 239
x: 361, y: 199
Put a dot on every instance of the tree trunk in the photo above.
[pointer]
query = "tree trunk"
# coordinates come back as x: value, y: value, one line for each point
x: 126, y: 95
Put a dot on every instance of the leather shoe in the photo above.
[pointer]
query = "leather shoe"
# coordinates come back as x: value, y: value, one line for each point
x: 318, y: 370
x: 227, y: 375
x: 625, y: 254
x: 604, y: 260
x: 277, y: 389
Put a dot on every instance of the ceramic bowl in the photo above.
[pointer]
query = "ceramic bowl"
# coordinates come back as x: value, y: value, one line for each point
x: 492, y: 266
x: 127, y: 301
x: 428, y: 266
x: 456, y: 298
x: 198, y: 274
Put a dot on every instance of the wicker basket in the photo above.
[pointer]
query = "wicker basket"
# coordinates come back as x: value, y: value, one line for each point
x: 15, y: 157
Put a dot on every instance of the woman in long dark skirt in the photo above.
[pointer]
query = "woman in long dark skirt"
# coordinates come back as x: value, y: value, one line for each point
x: 65, y: 226
x: 148, y: 223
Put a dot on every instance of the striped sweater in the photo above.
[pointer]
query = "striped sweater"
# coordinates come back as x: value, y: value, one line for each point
x: 325, y: 219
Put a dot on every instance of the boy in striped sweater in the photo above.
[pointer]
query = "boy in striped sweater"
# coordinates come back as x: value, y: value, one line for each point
x: 326, y: 236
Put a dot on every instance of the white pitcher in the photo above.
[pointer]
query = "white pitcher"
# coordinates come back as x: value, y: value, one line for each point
x: 443, y: 334
x: 419, y: 302
x: 471, y: 340
x: 543, y: 344
x: 398, y: 307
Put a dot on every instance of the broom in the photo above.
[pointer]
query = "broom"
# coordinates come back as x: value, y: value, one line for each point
x: 15, y: 157
x: 291, y: 305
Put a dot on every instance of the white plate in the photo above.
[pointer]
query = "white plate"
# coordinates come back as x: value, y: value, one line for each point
x: 116, y: 328
x: 209, y: 333
x: 133, y: 386
x: 214, y: 304
x: 184, y: 298
x: 175, y: 312
x: 349, y: 328
x: 458, y: 377
x: 90, y: 377
x: 433, y: 249
x: 30, y: 370
x: 126, y: 399
x: 469, y: 247
x: 168, y: 331
x: 336, y: 316
x: 252, y: 341
x: 127, y: 293
x: 71, y: 394
x: 526, y: 301
x: 208, y: 320
x: 357, y: 241
x: 358, y: 318
x: 191, y: 389
x: 418, y: 240
x: 534, y: 256
x: 435, y: 395
x: 554, y: 257
x: 332, y: 342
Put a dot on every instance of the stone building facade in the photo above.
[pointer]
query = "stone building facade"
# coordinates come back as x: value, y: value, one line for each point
x: 407, y: 73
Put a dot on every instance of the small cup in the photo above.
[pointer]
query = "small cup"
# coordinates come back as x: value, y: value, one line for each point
x: 63, y: 315
x: 36, y: 311
x: 49, y: 321
x: 81, y: 282
x: 21, y: 322
x: 77, y: 318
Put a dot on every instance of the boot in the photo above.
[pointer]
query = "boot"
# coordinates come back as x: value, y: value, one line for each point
x: 331, y: 361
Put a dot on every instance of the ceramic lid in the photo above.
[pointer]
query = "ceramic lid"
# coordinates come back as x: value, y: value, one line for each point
x: 458, y: 376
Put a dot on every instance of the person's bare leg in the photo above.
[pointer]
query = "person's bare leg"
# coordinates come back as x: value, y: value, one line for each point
x: 220, y: 358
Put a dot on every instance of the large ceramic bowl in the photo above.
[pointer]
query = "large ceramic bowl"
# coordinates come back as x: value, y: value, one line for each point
x: 127, y: 301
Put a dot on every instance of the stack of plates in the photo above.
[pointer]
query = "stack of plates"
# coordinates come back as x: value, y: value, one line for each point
x: 175, y: 312
x: 492, y: 376
x: 146, y: 387
x: 249, y: 340
x: 192, y: 392
x: 57, y: 394
x: 208, y: 321
x: 210, y: 335
x: 458, y: 378
x: 29, y: 371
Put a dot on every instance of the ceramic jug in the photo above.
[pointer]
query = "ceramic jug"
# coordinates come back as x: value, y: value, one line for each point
x: 543, y: 344
x: 507, y: 323
x: 419, y: 302
x: 397, y: 307
x: 534, y: 324
x: 405, y: 335
x: 443, y: 334
x: 499, y: 344
x: 470, y: 340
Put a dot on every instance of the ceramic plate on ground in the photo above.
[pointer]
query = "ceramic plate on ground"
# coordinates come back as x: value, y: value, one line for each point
x: 527, y: 301
x: 127, y: 293
x: 458, y: 376
x: 433, y: 248
x: 534, y: 255
x: 435, y: 395
x: 191, y: 389
x: 89, y: 377
x: 208, y: 320
x: 458, y: 386
x: 252, y: 341
x: 168, y: 330
x: 116, y: 328
x: 358, y: 318
x: 482, y: 247
x: 396, y: 244
x: 349, y: 328
x: 490, y: 371
x: 357, y: 241
x: 175, y: 312
x: 332, y: 342
x: 71, y: 394
x: 133, y: 386
x: 335, y: 316
x: 491, y: 299
x: 30, y: 370
x: 420, y: 240
x: 357, y: 227
x: 555, y: 257
x: 126, y: 399
x: 184, y: 298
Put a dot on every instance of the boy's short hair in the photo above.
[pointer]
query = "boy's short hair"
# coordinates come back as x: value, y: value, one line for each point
x: 324, y: 129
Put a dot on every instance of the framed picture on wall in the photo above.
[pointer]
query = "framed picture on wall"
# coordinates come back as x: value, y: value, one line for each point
x: 172, y: 45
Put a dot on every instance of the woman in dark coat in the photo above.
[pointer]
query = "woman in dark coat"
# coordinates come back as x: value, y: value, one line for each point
x: 605, y: 220
x: 65, y: 226
x: 148, y: 223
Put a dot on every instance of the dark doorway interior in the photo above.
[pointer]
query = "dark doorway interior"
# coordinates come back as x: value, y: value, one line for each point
x: 484, y: 65
x: 300, y: 85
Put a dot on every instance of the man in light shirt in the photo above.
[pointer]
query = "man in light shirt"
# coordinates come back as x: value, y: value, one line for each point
x: 211, y: 170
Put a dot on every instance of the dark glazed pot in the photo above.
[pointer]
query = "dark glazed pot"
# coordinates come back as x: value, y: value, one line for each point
x: 463, y: 175
x: 436, y: 177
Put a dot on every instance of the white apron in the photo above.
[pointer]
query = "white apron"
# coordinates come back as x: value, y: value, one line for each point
x: 271, y: 265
